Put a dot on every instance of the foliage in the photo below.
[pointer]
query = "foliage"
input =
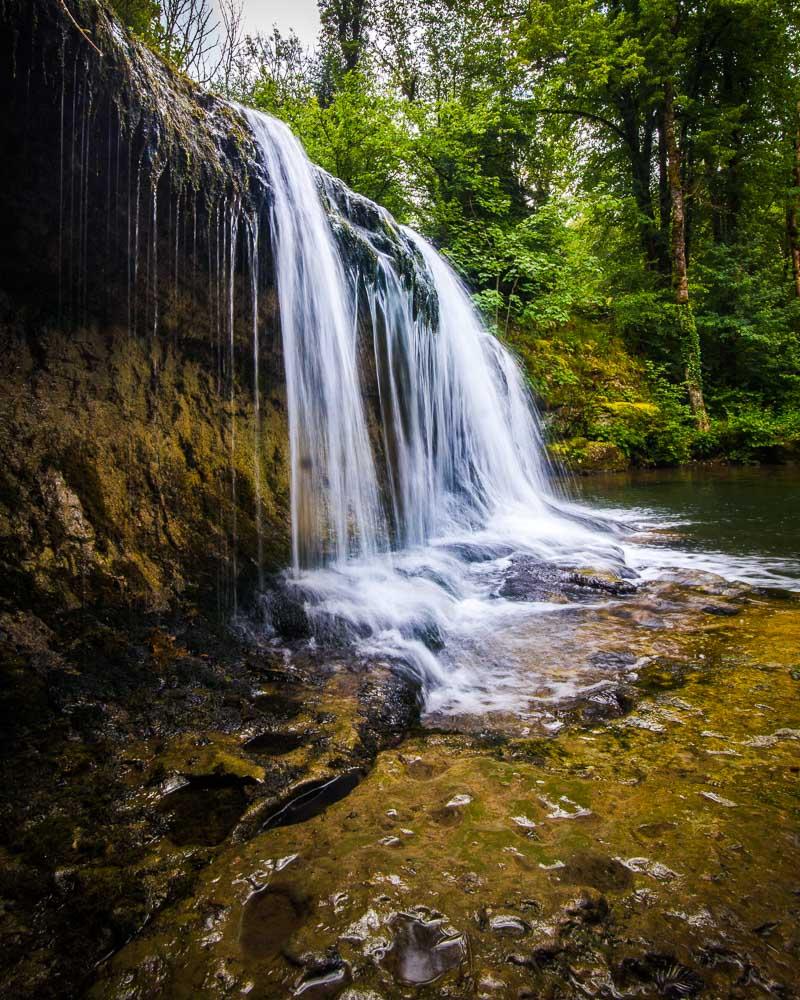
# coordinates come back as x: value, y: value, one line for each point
x: 531, y: 142
x: 355, y: 136
x: 141, y: 16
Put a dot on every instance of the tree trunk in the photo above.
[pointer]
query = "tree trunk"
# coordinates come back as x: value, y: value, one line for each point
x: 687, y: 328
x: 664, y: 203
x: 638, y: 138
x: 793, y: 213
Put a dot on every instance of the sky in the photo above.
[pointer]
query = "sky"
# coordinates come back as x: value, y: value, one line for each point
x: 302, y: 15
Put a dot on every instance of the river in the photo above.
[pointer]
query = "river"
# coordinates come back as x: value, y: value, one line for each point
x: 748, y: 516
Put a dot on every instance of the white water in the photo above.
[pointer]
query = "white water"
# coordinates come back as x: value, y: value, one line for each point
x: 403, y: 537
x: 335, y: 505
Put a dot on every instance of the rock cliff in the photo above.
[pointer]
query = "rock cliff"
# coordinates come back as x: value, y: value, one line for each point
x: 134, y: 468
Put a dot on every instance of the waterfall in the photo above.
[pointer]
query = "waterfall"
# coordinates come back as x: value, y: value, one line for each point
x: 416, y: 460
x: 459, y: 436
x: 334, y: 491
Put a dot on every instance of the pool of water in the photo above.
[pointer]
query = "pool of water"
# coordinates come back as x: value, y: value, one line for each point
x: 547, y: 609
x: 749, y: 517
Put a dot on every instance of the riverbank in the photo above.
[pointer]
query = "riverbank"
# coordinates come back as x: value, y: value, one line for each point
x: 605, y: 409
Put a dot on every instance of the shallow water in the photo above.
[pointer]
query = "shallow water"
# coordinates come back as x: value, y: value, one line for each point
x: 492, y: 621
x: 744, y: 515
x: 653, y: 854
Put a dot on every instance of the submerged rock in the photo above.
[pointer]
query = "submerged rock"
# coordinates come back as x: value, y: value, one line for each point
x: 204, y: 811
x: 325, y: 984
x: 531, y: 579
x: 311, y: 799
x: 269, y: 919
x: 275, y: 743
x: 597, y: 871
x: 663, y: 972
x: 423, y: 950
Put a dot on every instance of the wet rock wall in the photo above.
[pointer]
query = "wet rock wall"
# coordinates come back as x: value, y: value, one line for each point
x: 143, y: 436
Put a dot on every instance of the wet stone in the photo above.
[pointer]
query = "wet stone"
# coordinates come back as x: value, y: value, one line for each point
x: 204, y: 810
x: 313, y: 798
x: 612, y: 660
x: 539, y: 958
x: 452, y: 813
x: 287, y: 615
x: 608, y: 703
x: 423, y: 950
x: 422, y: 770
x: 589, y: 908
x: 277, y: 705
x: 275, y: 744
x: 597, y: 871
x: 669, y: 977
x: 270, y: 918
x: 721, y: 610
x: 325, y: 984
x: 508, y: 925
x: 664, y: 674
x: 530, y: 579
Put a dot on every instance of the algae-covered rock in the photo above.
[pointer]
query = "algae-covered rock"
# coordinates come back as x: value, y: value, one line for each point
x: 143, y: 456
x: 612, y: 864
x: 581, y: 455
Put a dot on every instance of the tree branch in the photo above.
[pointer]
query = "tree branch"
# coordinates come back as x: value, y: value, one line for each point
x: 83, y: 31
x: 577, y: 113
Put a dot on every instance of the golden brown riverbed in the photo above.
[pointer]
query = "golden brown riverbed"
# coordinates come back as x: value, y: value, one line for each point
x: 651, y: 854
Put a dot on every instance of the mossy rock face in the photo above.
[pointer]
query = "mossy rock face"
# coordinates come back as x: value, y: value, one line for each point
x: 136, y: 466
x: 127, y: 477
x: 580, y: 455
x: 144, y: 451
x: 595, y: 393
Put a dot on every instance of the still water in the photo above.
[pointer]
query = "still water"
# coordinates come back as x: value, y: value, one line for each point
x: 747, y: 520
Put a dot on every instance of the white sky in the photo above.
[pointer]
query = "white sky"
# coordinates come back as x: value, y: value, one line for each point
x: 302, y: 15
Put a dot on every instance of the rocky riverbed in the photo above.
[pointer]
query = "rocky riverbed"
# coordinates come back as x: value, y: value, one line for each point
x: 189, y: 813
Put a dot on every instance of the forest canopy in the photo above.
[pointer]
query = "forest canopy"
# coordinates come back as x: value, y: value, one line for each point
x: 618, y: 183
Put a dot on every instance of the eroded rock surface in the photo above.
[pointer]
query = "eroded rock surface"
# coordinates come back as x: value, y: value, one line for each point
x: 598, y: 862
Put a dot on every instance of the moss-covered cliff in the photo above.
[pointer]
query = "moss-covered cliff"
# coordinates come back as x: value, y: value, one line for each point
x: 131, y: 469
x: 607, y: 409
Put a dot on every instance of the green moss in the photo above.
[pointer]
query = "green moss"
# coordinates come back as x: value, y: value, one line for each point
x: 589, y: 456
x: 124, y: 481
x: 603, y: 408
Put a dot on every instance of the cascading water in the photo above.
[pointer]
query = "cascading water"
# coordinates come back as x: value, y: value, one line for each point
x: 335, y: 502
x: 417, y: 469
x: 459, y: 436
x: 403, y: 506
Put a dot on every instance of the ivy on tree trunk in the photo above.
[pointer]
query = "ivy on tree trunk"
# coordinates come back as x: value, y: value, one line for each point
x: 685, y: 322
x: 793, y: 213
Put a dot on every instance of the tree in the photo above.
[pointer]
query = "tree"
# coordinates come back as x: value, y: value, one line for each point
x: 141, y: 16
x: 793, y: 211
x: 687, y: 327
x: 343, y: 39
